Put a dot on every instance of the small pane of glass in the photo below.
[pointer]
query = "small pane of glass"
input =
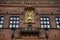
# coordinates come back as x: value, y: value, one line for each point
x: 45, y: 26
x: 2, y: 18
x: 57, y: 22
x: 16, y: 26
x: 41, y: 22
x: 48, y: 26
x: 56, y: 18
x: 41, y: 19
x: 17, y: 21
x: 17, y: 18
x: 10, y: 21
x: 47, y: 22
x: 1, y: 21
x: 14, y: 21
x: 58, y: 26
x: 44, y: 22
x: 14, y: 18
x: 47, y: 18
x: 41, y: 26
x: 59, y: 18
x: 10, y: 26
x: 0, y: 26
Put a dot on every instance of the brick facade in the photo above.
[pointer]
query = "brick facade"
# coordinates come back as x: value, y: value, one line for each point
x: 41, y: 10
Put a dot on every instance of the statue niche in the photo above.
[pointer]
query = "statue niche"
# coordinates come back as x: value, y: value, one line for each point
x: 29, y: 15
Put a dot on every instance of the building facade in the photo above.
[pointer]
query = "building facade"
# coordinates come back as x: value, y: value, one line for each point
x: 29, y: 19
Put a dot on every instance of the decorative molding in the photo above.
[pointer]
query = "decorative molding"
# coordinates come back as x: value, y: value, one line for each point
x: 33, y: 5
x: 31, y: 2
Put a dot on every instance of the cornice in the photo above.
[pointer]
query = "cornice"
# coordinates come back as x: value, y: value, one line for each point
x: 32, y: 5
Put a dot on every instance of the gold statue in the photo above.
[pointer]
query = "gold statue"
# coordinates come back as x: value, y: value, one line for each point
x: 29, y: 16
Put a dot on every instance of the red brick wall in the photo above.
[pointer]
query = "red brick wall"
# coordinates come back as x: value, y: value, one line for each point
x: 5, y: 34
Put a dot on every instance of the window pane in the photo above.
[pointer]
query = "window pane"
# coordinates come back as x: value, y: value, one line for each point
x: 47, y: 18
x: 14, y: 21
x: 56, y: 18
x: 11, y: 18
x: 44, y: 18
x: 13, y: 26
x: 48, y: 26
x: 41, y: 26
x: 41, y: 22
x: 17, y: 21
x: 58, y: 26
x: 17, y: 18
x: 41, y: 19
x: 10, y: 21
x: 59, y: 18
x: 45, y: 26
x: 14, y: 18
x: 57, y: 22
x: 2, y: 18
x: 16, y: 26
x: 47, y: 22
x: 10, y: 26
x: 44, y: 22
x: 0, y: 26
x: 1, y: 21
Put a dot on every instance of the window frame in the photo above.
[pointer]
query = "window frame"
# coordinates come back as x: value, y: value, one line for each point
x: 45, y: 20
x: 2, y: 20
x: 14, y: 20
x: 57, y: 20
